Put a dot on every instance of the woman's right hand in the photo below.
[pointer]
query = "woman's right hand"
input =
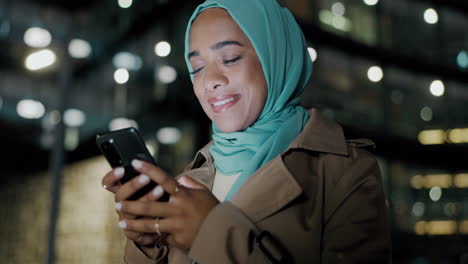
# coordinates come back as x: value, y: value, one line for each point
x: 111, y: 182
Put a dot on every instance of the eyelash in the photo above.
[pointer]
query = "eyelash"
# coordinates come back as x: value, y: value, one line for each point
x: 224, y: 61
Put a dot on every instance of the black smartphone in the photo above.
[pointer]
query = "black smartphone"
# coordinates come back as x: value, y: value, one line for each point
x: 122, y: 146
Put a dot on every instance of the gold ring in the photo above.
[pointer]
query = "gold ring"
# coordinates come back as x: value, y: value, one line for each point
x: 176, y: 189
x: 156, y: 226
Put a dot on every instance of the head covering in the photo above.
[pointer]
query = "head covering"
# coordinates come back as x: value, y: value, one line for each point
x: 281, y: 48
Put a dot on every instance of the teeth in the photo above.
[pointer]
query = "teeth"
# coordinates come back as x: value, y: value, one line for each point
x: 223, y: 102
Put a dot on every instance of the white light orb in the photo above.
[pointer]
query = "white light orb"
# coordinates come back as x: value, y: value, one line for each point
x: 30, y: 109
x: 338, y: 9
x: 312, y: 53
x: 40, y: 60
x: 431, y: 16
x: 162, y: 49
x: 125, y: 3
x: 437, y: 88
x: 435, y: 193
x: 121, y: 123
x: 166, y: 74
x: 371, y: 2
x: 168, y: 135
x: 121, y: 76
x: 127, y: 60
x: 37, y: 37
x: 79, y: 49
x: 74, y: 118
x: 375, y: 74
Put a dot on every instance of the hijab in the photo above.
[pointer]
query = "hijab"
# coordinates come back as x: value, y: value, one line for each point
x: 281, y: 48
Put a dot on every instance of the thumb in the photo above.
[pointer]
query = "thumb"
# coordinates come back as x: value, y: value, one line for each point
x: 191, y: 183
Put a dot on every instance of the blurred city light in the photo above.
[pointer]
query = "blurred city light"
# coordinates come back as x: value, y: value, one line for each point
x: 457, y: 135
x: 441, y: 227
x: 435, y: 193
x: 125, y: 3
x: 371, y: 2
x: 79, y: 49
x: 72, y: 138
x: 375, y: 74
x: 121, y: 76
x: 338, y: 9
x: 462, y: 59
x: 122, y: 122
x: 168, y: 135
x: 50, y: 120
x: 30, y: 109
x: 418, y: 209
x: 312, y: 53
x: 37, y: 37
x: 431, y: 180
x: 426, y: 113
x: 437, y: 88
x: 40, y: 59
x: 461, y: 180
x: 166, y: 74
x: 431, y: 137
x: 127, y: 60
x: 162, y: 49
x: 74, y: 118
x: 339, y: 22
x: 431, y: 16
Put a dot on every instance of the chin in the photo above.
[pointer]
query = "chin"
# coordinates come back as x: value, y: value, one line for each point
x: 228, y: 127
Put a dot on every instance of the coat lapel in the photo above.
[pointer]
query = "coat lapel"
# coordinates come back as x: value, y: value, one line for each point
x: 267, y: 190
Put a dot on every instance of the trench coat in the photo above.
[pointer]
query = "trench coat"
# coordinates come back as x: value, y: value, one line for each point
x: 320, y: 201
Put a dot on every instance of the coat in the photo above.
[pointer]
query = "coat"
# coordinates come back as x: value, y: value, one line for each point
x: 320, y: 201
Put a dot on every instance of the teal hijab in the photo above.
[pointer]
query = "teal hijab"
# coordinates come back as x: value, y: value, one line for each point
x: 281, y: 48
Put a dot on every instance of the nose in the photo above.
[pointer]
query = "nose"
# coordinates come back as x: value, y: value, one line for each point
x: 214, y: 78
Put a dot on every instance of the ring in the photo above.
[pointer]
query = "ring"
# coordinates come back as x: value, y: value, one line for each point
x: 176, y: 189
x: 156, y: 226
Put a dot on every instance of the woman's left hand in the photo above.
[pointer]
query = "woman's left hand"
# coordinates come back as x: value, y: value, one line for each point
x: 181, y: 217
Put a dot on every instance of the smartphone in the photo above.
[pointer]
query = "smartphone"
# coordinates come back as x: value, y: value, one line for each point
x: 122, y: 146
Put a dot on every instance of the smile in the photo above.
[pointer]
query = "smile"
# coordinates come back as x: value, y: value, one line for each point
x: 222, y: 103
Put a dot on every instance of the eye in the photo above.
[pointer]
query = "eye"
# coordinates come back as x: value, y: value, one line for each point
x: 197, y: 70
x: 231, y: 60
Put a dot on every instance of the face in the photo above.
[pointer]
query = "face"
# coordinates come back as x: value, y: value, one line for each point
x: 228, y: 79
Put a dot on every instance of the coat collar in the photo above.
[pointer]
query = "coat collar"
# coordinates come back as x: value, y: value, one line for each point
x: 273, y: 186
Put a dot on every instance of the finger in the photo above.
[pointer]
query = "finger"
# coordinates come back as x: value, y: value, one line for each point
x: 158, y: 175
x: 111, y: 181
x: 146, y: 208
x: 191, y: 183
x: 141, y: 238
x: 145, y: 225
x: 154, y: 195
x: 130, y: 187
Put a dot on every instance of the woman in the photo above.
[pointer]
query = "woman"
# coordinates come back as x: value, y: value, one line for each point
x: 278, y: 184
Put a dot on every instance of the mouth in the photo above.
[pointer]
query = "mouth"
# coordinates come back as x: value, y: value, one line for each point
x: 222, y: 103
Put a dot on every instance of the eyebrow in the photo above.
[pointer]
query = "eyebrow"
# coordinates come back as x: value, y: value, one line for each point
x: 217, y: 46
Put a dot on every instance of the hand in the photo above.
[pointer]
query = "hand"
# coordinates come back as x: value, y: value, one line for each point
x: 111, y: 182
x: 181, y: 217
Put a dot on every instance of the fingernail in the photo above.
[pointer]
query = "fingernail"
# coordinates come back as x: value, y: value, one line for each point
x: 158, y: 190
x: 104, y: 186
x: 143, y: 179
x: 119, y: 172
x: 118, y: 206
x: 122, y: 224
x: 137, y: 164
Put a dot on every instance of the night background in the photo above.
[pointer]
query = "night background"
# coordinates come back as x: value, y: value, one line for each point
x: 393, y: 71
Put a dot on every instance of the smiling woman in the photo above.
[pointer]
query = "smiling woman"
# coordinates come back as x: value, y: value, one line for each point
x: 278, y: 183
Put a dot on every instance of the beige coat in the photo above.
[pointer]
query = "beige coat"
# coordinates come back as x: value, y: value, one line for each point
x: 320, y: 201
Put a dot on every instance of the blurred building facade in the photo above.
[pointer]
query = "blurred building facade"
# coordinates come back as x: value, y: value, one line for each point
x: 394, y: 71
